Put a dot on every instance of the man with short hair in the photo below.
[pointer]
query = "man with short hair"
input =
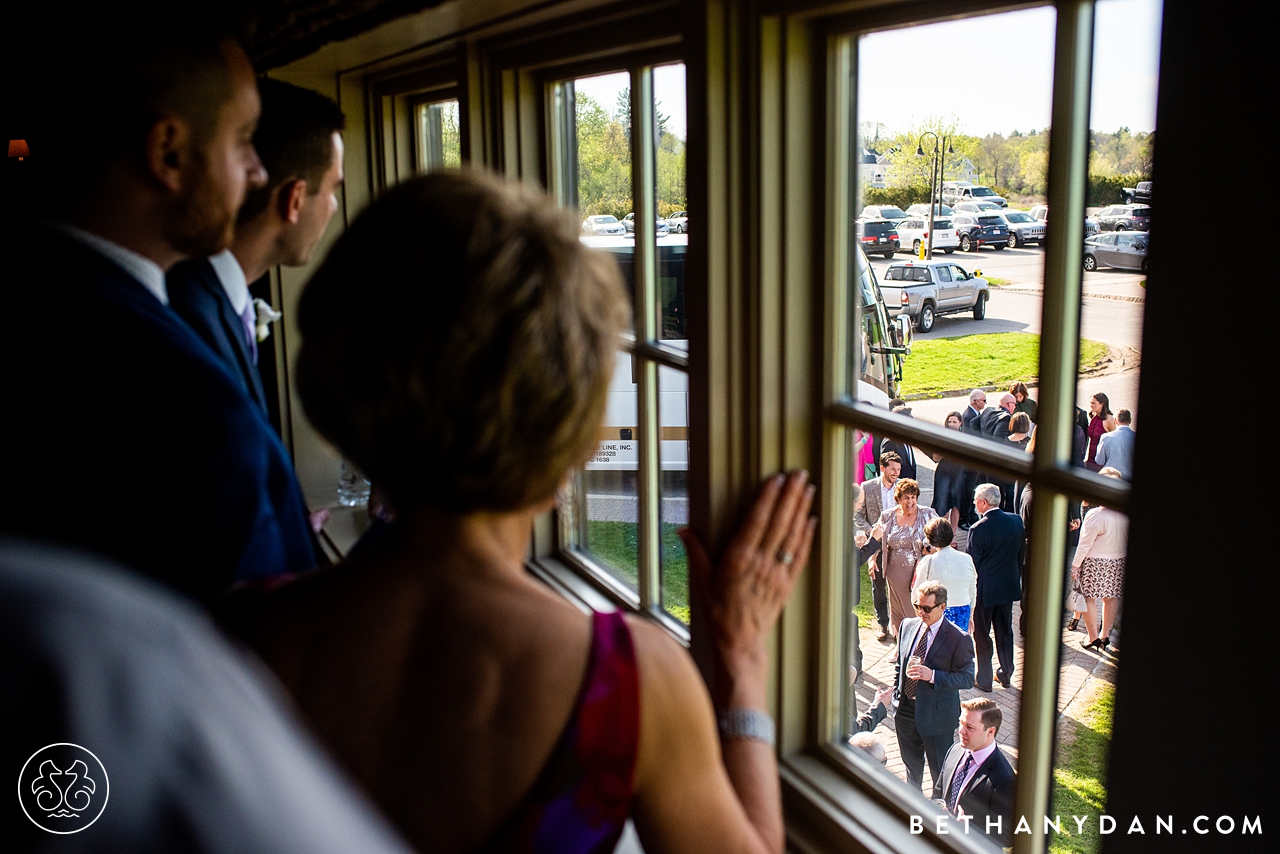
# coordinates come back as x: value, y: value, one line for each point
x: 135, y: 441
x: 971, y: 423
x: 1115, y: 449
x: 299, y: 139
x: 969, y: 419
x: 877, y: 496
x: 997, y: 546
x: 994, y: 422
x: 904, y: 451
x: 995, y: 427
x: 928, y: 688
x: 977, y: 779
x: 870, y: 744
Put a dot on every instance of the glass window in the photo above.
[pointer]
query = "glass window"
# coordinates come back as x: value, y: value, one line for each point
x: 634, y: 205
x: 439, y: 141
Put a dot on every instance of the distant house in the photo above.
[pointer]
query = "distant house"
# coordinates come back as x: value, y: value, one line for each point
x: 874, y: 168
x: 966, y: 172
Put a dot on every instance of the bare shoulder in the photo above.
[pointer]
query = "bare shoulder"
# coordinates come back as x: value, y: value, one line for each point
x: 667, y: 672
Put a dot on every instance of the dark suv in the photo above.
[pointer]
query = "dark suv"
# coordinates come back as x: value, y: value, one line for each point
x: 978, y: 230
x: 878, y: 236
x: 1124, y: 218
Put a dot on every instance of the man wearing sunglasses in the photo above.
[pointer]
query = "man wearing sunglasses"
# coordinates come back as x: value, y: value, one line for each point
x: 928, y: 692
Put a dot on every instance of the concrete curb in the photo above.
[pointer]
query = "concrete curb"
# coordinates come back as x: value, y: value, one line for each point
x: 1089, y: 294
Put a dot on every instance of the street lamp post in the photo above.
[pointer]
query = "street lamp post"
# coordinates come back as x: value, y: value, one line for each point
x: 936, y: 166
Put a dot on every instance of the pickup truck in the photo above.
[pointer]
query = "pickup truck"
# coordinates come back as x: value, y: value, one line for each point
x: 1140, y: 194
x: 922, y: 290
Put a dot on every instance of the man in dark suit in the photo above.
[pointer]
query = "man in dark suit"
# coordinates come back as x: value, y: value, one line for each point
x: 299, y: 139
x: 977, y: 780
x: 994, y: 424
x: 135, y: 441
x: 971, y: 423
x: 996, y: 544
x: 929, y: 691
x: 906, y: 454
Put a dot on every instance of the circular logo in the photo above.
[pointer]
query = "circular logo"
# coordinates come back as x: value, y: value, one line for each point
x: 63, y: 788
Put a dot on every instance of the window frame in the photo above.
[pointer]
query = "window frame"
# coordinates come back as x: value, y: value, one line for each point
x: 529, y: 138
x: 807, y: 50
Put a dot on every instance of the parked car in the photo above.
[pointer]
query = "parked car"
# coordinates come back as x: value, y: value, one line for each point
x: 1140, y: 194
x: 976, y: 207
x: 913, y: 233
x: 1041, y: 213
x: 678, y: 222
x: 977, y: 230
x: 629, y: 223
x: 893, y: 213
x: 603, y: 224
x: 877, y: 236
x: 1125, y: 218
x: 1023, y: 228
x: 1121, y: 250
x: 923, y: 290
x: 922, y: 209
x: 963, y: 191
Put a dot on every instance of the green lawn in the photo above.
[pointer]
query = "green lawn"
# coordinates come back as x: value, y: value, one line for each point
x: 614, y: 544
x: 975, y: 361
x: 1081, y: 774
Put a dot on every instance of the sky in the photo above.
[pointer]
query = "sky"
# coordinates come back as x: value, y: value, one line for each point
x: 1019, y: 46
x: 892, y: 90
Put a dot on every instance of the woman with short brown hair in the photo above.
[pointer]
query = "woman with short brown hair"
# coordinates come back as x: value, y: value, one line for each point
x: 458, y: 344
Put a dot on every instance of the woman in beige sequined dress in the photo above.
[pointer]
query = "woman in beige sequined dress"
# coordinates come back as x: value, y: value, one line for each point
x: 903, y: 546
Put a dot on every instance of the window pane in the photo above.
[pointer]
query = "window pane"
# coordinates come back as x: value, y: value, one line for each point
x: 609, y: 482
x: 673, y: 432
x: 672, y: 197
x: 917, y: 144
x: 602, y: 136
x: 1126, y: 40
x: 439, y: 141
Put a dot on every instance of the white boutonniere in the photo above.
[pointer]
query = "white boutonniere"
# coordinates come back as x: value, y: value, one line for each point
x: 264, y: 315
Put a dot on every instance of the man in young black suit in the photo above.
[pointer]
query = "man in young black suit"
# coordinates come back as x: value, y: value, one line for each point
x: 299, y: 139
x: 971, y: 423
x: 929, y: 692
x: 129, y: 437
x: 977, y: 780
x: 996, y: 544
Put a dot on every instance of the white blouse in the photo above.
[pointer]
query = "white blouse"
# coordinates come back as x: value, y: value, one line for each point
x: 1104, y: 534
x: 955, y: 571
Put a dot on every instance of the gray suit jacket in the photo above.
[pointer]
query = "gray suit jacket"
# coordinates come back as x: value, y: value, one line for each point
x: 1115, y: 449
x: 866, y: 516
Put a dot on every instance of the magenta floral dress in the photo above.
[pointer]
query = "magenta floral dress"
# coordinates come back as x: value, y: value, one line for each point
x: 582, y: 798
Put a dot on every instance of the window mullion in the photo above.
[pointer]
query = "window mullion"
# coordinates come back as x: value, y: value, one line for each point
x: 643, y: 182
x: 1068, y: 162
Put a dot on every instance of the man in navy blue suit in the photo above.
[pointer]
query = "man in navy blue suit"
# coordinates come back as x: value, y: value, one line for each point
x: 996, y: 544
x: 299, y: 140
x: 126, y: 435
x: 928, y: 690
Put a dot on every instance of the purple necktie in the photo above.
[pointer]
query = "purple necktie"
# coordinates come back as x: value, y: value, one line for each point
x: 249, y: 319
x: 957, y: 781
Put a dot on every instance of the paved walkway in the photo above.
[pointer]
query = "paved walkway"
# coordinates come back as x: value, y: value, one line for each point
x: 1080, y: 671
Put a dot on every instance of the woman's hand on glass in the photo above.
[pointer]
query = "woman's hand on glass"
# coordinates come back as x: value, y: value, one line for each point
x: 753, y: 579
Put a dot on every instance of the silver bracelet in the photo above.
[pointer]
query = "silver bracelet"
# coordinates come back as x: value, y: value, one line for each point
x: 750, y: 724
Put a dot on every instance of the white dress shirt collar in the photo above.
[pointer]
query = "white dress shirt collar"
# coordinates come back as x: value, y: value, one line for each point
x: 148, y: 273
x: 231, y: 274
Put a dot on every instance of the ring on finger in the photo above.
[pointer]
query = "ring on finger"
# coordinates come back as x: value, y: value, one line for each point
x: 784, y: 557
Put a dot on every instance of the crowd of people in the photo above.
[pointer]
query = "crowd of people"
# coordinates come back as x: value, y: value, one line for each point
x: 963, y: 600
x: 457, y: 345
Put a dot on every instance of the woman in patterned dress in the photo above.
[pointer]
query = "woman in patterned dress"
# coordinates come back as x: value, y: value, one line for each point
x: 903, y: 546
x: 1099, y: 566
